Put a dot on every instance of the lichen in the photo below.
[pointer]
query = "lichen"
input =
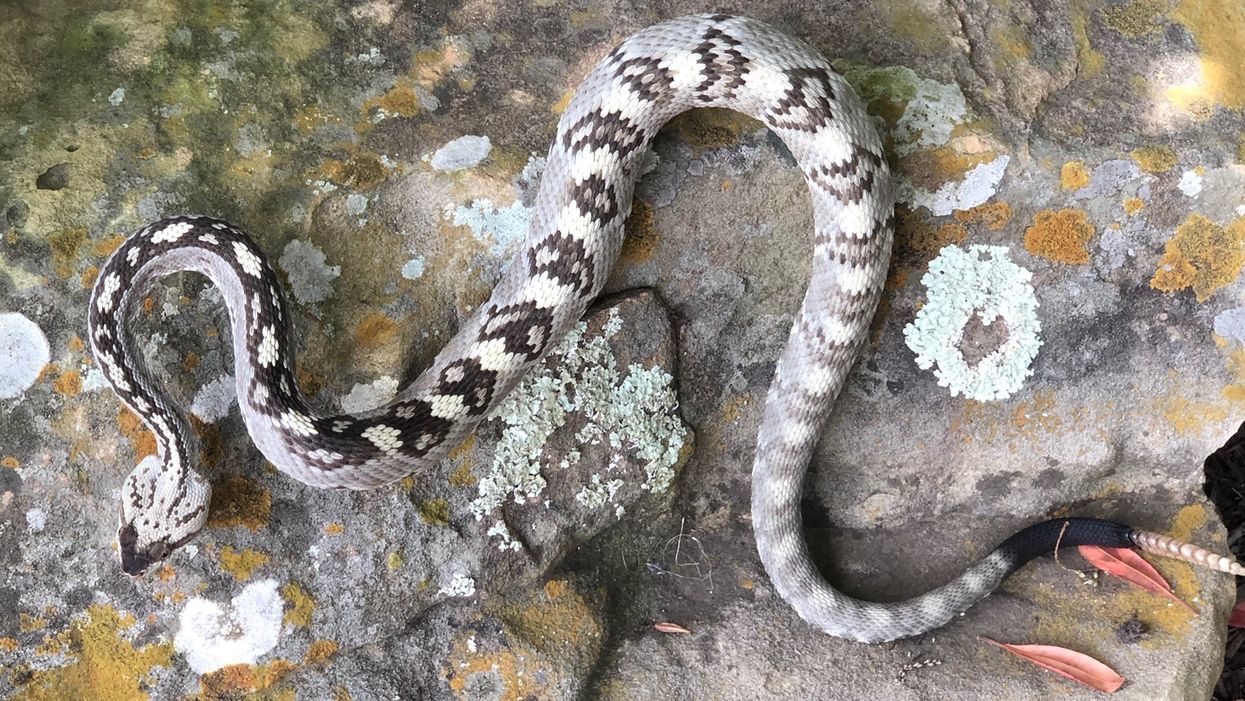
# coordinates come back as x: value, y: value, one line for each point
x: 319, y: 652
x: 980, y: 282
x: 435, y: 512
x: 1219, y: 29
x: 635, y: 414
x: 24, y: 353
x: 1060, y: 236
x: 1136, y: 18
x: 1154, y: 159
x: 105, y: 665
x: 713, y: 128
x: 240, y: 501
x: 642, y: 236
x: 210, y: 636
x: 1202, y: 255
x: 459, y: 585
x: 977, y: 186
x: 1073, y: 176
x: 241, y: 564
x: 301, y: 605
x: 142, y: 440
x: 994, y: 215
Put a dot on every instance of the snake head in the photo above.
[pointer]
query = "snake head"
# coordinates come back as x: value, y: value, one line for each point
x: 161, y: 510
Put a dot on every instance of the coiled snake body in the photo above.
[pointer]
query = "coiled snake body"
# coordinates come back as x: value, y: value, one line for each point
x: 574, y: 238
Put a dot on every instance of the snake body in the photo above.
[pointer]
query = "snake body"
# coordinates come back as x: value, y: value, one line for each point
x: 573, y: 240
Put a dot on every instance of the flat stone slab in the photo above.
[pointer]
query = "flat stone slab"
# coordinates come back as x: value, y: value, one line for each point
x: 386, y: 158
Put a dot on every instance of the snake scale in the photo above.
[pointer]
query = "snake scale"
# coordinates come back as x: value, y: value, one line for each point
x: 573, y: 240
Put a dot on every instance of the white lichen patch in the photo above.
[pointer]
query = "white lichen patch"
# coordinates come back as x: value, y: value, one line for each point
x: 930, y: 115
x: 504, y: 227
x: 213, y: 400
x: 461, y: 153
x: 1230, y: 324
x: 363, y: 398
x: 414, y: 268
x: 635, y: 415
x: 976, y: 187
x: 311, y: 278
x: 508, y: 542
x: 211, y: 636
x: 24, y: 352
x: 981, y: 281
x: 356, y: 204
x: 116, y: 97
x: 36, y: 520
x: 598, y: 493
x: 93, y: 379
x: 459, y: 585
x: 1190, y: 183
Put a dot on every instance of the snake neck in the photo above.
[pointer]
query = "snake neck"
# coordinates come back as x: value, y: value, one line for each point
x: 117, y: 299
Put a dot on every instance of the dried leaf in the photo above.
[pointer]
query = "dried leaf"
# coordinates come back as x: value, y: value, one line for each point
x: 1236, y: 619
x: 1074, y: 665
x: 1126, y: 564
x: 667, y: 627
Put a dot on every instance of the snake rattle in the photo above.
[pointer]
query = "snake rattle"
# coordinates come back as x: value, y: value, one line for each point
x: 572, y: 242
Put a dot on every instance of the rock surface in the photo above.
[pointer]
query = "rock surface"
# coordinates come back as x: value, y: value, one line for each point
x: 385, y: 157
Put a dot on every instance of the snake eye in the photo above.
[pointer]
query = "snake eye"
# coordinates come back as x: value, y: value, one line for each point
x: 158, y: 551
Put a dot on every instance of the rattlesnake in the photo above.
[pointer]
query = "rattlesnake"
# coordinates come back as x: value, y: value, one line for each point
x: 573, y: 240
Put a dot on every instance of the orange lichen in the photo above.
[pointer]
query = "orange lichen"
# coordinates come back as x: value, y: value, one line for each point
x: 994, y: 215
x: 1154, y: 159
x: 1028, y: 417
x: 641, y: 237
x: 241, y: 564
x: 1073, y: 175
x: 428, y: 69
x: 66, y: 245
x: 105, y: 666
x: 240, y: 501
x: 320, y: 651
x: 105, y: 247
x: 76, y: 344
x: 68, y: 384
x: 1191, y: 417
x: 142, y: 440
x: 556, y: 619
x: 8, y: 644
x: 246, y: 681
x: 28, y: 623
x: 300, y: 603
x: 375, y: 329
x: 1132, y: 205
x: 334, y: 528
x: 1201, y: 255
x: 918, y: 242
x: 1219, y: 29
x: 88, y: 276
x: 10, y: 462
x: 1060, y: 236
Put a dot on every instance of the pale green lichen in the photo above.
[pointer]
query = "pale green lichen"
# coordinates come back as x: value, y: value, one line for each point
x: 635, y: 415
x: 981, y: 281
